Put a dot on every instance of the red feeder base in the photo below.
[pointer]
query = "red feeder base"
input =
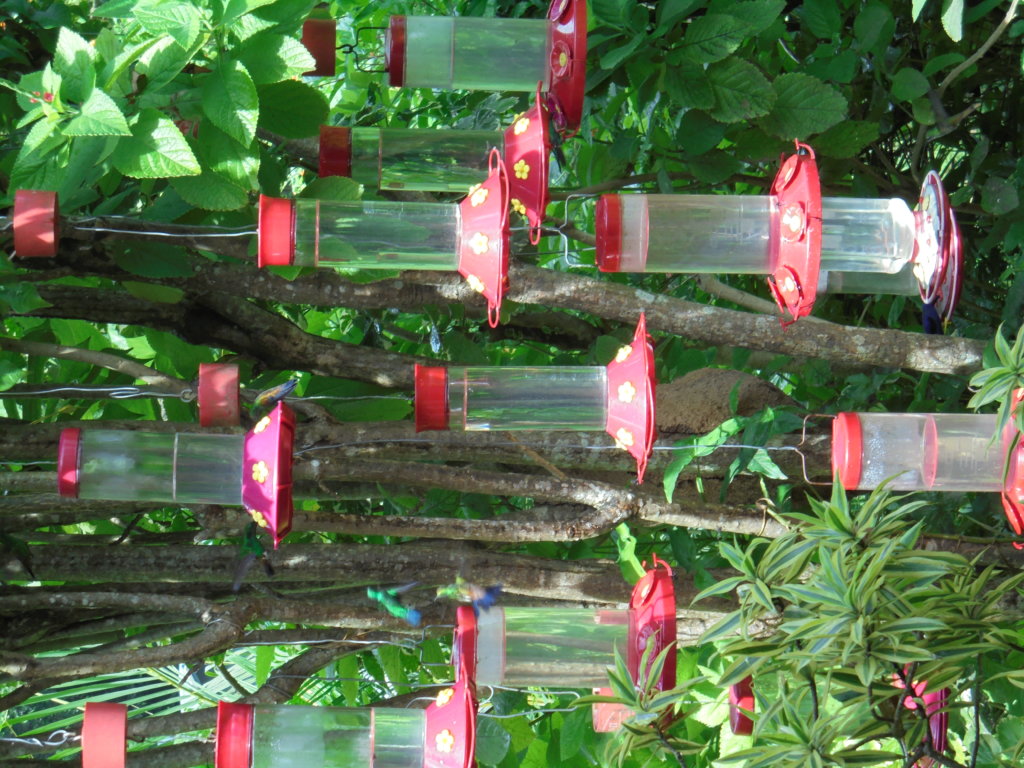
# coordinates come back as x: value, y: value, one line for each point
x: 630, y: 400
x: 568, y: 63
x: 741, y: 697
x: 218, y: 395
x: 36, y: 224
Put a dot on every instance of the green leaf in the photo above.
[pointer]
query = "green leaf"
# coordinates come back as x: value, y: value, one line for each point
x: 155, y: 150
x: 999, y: 196
x: 874, y: 26
x: 688, y: 85
x: 162, y: 63
x: 161, y: 294
x: 492, y: 741
x: 803, y: 105
x: 333, y: 188
x: 714, y: 36
x: 21, y: 298
x: 908, y: 84
x: 100, y: 116
x: 613, y: 12
x: 291, y: 109
x: 220, y: 153
x: 758, y: 15
x: 846, y: 139
x: 271, y: 57
x: 231, y: 102
x: 714, y: 167
x: 822, y: 18
x: 178, y: 19
x: 116, y: 9
x: 953, y: 19
x: 698, y: 133
x: 211, y: 191
x: 264, y: 663
x: 741, y: 91
x: 151, y: 259
x: 916, y: 6
x: 74, y: 60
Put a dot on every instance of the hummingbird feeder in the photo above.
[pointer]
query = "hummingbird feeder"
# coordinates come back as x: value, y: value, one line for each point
x: 471, y: 236
x: 518, y: 647
x: 286, y: 736
x: 618, y: 398
x: 104, y: 735
x: 253, y: 470
x: 931, y: 452
x: 428, y: 160
x: 792, y: 235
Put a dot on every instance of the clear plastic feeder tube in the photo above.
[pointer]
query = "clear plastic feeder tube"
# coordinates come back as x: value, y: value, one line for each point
x: 333, y: 737
x: 960, y: 453
x: 733, y: 234
x: 152, y: 466
x: 376, y: 235
x: 902, y: 283
x: 549, y: 646
x: 464, y: 52
x: 425, y: 160
x: 510, y: 398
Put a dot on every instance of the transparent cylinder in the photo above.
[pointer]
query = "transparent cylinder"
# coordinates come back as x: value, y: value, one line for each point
x: 960, y: 453
x: 376, y: 235
x: 120, y: 465
x: 334, y: 737
x: 476, y: 54
x: 902, y: 283
x: 866, y: 235
x: 549, y: 397
x: 549, y: 646
x: 423, y: 160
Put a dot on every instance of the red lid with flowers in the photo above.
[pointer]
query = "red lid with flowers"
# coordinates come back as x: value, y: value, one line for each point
x: 741, y: 697
x: 319, y: 35
x: 36, y: 223
x: 796, y: 233
x: 234, y: 735
x: 104, y: 735
x: 267, y: 472
x: 464, y: 645
x: 630, y: 399
x: 218, y: 395
x: 653, y: 622
x: 1013, y: 488
x: 527, y: 149
x: 451, y: 728
x: 335, y: 151
x: 483, y: 238
x: 938, y: 250
x: 567, y: 63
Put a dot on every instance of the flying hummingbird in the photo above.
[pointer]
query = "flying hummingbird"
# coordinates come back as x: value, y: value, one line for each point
x: 268, y: 398
x: 467, y: 592
x: 250, y: 549
x: 388, y: 599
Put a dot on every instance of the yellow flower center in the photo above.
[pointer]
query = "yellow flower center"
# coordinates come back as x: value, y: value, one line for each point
x: 479, y: 243
x: 623, y: 354
x: 522, y: 170
x: 261, y: 425
x: 444, y: 741
x: 476, y: 283
x: 624, y: 439
x: 260, y: 472
x: 626, y: 392
x: 563, y: 59
x: 518, y: 206
x: 478, y: 197
x: 258, y: 518
x: 521, y: 126
x: 443, y: 697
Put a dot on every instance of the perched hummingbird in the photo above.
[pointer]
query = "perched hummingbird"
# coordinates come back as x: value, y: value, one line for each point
x: 390, y: 602
x: 249, y: 551
x: 268, y: 398
x: 466, y: 592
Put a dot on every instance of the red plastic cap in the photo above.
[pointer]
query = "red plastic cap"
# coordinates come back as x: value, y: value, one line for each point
x: 629, y: 401
x: 218, y: 395
x: 234, y: 735
x: 267, y: 472
x: 320, y: 38
x: 608, y: 230
x: 527, y: 150
x: 395, y: 51
x: 653, y: 623
x: 484, y: 236
x: 430, y: 400
x: 276, y: 232
x: 1013, y: 488
x: 741, y: 696
x: 67, y: 462
x: 464, y: 646
x: 847, y: 449
x: 335, y: 151
x: 451, y: 728
x: 567, y: 63
x: 36, y: 220
x: 104, y: 732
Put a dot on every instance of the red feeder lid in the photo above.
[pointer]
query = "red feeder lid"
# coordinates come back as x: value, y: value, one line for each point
x: 630, y: 398
x: 335, y: 151
x: 451, y: 728
x: 938, y: 720
x: 234, y: 735
x: 67, y: 462
x: 847, y: 449
x: 430, y: 398
x: 104, y: 735
x: 796, y: 233
x: 320, y: 38
x: 1013, y: 490
x: 567, y: 63
x: 527, y: 149
x: 267, y: 472
x: 394, y: 51
x: 483, y: 238
x: 36, y: 223
x: 741, y: 697
x: 608, y: 230
x: 464, y: 645
x: 653, y: 622
x: 276, y: 232
x: 218, y: 395
x: 938, y: 250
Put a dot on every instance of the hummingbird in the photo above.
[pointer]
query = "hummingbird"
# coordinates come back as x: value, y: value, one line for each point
x: 250, y: 549
x: 389, y: 600
x: 268, y: 398
x: 467, y: 592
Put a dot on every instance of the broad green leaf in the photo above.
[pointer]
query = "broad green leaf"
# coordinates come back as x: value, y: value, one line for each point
x: 908, y: 84
x: 953, y: 19
x: 21, y: 298
x: 492, y: 741
x: 100, y: 116
x: 176, y: 18
x: 698, y: 133
x: 846, y: 139
x: 714, y: 36
x: 688, y: 85
x: 854, y: 758
x: 874, y: 26
x: 271, y: 57
x: 333, y: 188
x: 291, y: 109
x: 162, y: 63
x: 999, y: 196
x: 264, y: 663
x: 741, y: 91
x: 612, y: 12
x: 155, y: 150
x: 916, y: 6
x: 74, y: 60
x: 804, y: 105
x: 116, y: 9
x: 222, y: 154
x: 758, y: 15
x: 151, y: 259
x: 235, y: 9
x: 161, y: 294
x: 211, y: 190
x: 231, y: 102
x: 42, y: 161
x: 714, y: 167
x: 822, y: 18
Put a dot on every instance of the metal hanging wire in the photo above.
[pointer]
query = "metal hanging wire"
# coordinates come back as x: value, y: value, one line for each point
x: 352, y: 49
